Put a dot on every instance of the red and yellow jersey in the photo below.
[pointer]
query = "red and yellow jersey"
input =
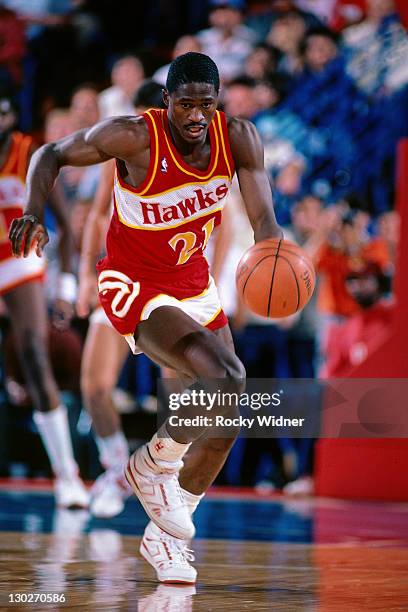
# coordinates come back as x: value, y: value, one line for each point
x: 160, y: 229
x: 12, y: 186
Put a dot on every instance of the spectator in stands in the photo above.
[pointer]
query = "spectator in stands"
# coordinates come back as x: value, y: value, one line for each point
x: 57, y: 124
x: 82, y: 113
x: 183, y: 45
x: 378, y: 50
x: 351, y: 342
x: 12, y: 46
x: 38, y: 16
x: 262, y: 62
x: 127, y: 75
x: 325, y: 98
x: 239, y: 98
x: 261, y: 20
x: 346, y: 250
x: 227, y: 41
x: 84, y: 110
x: 285, y: 34
x: 288, y: 142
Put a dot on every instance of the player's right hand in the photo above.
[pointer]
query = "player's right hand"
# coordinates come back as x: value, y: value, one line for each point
x: 25, y: 232
x: 87, y: 294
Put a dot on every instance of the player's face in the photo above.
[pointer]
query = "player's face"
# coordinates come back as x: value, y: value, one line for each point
x: 191, y: 110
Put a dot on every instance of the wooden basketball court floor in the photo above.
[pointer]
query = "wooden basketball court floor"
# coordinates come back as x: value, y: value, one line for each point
x: 252, y: 553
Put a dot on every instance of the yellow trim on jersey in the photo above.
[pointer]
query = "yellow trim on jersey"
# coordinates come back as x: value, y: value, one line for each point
x: 152, y: 300
x: 158, y: 229
x: 198, y: 176
x: 194, y: 297
x: 155, y: 195
x: 223, y: 145
x: 212, y: 318
x: 156, y: 159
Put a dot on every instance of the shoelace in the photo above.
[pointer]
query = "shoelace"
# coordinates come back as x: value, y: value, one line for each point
x: 180, y: 550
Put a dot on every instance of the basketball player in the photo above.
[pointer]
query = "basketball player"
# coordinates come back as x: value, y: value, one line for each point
x: 174, y: 168
x: 22, y: 290
x: 98, y: 374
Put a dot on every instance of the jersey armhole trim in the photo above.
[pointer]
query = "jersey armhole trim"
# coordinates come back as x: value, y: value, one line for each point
x: 154, y: 158
x: 223, y: 128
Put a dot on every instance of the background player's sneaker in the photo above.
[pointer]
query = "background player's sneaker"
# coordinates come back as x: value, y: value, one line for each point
x: 108, y: 494
x: 160, y: 495
x: 168, y: 556
x: 71, y: 493
x: 169, y: 598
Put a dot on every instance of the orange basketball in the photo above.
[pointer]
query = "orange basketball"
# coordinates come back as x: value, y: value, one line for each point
x: 275, y: 278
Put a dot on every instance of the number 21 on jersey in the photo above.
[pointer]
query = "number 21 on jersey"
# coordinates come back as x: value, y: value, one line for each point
x: 189, y: 240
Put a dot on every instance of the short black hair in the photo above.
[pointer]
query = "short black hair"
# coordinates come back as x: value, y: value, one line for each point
x: 149, y: 95
x: 243, y: 81
x: 318, y: 31
x: 192, y: 67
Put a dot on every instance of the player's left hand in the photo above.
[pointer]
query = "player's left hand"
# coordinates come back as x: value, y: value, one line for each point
x: 25, y: 232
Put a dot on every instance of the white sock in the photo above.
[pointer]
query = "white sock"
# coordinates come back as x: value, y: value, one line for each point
x: 113, y: 451
x: 162, y: 448
x: 192, y: 500
x: 54, y: 430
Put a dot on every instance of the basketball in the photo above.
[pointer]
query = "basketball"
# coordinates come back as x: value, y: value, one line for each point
x: 275, y: 278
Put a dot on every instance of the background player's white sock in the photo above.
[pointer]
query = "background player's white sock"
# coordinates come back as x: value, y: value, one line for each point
x: 113, y: 451
x: 54, y: 430
x: 192, y: 500
x: 162, y: 448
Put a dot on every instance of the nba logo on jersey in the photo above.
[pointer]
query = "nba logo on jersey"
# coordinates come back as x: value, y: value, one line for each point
x: 164, y: 165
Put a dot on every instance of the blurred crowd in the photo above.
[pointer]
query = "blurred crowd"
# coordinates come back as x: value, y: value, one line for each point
x: 326, y: 84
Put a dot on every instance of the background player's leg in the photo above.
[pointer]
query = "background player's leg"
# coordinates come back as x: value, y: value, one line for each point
x: 28, y: 313
x: 104, y: 354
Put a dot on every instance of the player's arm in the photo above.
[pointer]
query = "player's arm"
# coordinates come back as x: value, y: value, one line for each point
x: 248, y: 154
x: 122, y: 137
x: 94, y: 232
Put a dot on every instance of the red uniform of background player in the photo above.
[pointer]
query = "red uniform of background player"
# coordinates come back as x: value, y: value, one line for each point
x: 22, y: 290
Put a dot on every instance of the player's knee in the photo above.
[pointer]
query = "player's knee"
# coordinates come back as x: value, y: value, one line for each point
x: 235, y: 370
x: 95, y: 391
x: 207, y: 360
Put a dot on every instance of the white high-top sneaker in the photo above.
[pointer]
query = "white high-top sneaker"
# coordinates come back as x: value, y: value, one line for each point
x: 160, y: 494
x: 168, y: 556
x: 71, y: 493
x: 108, y: 494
